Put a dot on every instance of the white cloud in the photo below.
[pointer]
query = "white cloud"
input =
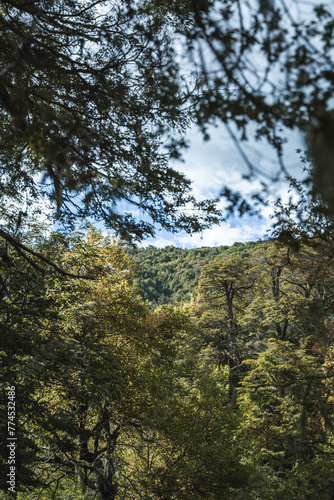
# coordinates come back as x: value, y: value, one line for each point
x: 213, y: 163
x: 216, y: 163
x: 240, y: 230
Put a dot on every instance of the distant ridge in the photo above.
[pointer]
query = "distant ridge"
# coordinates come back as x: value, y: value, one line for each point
x: 171, y: 274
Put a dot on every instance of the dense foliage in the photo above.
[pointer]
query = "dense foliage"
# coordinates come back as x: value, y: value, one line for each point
x: 110, y: 396
x: 92, y: 107
x: 227, y: 396
x: 171, y: 274
x: 209, y: 375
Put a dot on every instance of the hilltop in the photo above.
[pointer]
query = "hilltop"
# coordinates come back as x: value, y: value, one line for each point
x: 171, y: 274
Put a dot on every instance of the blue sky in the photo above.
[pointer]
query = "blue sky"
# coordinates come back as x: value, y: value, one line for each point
x: 216, y: 163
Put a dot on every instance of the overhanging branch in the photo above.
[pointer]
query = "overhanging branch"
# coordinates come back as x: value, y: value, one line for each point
x: 21, y: 249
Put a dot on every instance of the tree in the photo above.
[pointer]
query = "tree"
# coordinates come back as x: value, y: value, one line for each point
x: 113, y: 400
x: 61, y: 345
x: 287, y: 421
x: 225, y: 291
x: 308, y: 221
x: 225, y: 288
x: 271, y: 303
x: 91, y: 118
x: 266, y: 68
x: 89, y: 93
x: 192, y: 452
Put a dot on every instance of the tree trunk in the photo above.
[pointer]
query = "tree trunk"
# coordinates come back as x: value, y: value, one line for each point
x: 106, y: 485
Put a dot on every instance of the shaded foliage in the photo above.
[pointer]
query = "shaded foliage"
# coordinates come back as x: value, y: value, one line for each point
x: 92, y: 106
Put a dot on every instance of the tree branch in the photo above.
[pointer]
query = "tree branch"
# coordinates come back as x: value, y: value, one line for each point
x: 20, y: 248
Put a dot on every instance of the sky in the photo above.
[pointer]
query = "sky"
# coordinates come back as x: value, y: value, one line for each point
x: 217, y: 163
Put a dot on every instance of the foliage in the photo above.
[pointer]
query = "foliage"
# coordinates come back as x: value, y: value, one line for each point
x: 89, y: 92
x: 231, y: 392
x: 265, y: 313
x: 171, y: 274
x: 112, y: 398
x: 265, y: 68
x: 307, y: 220
x: 231, y: 395
x: 278, y: 304
x: 287, y: 418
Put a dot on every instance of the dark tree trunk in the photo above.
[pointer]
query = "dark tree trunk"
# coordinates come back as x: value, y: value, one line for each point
x: 106, y: 485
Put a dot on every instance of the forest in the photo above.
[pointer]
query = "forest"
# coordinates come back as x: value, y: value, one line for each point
x: 133, y: 373
x: 219, y: 387
x: 171, y: 274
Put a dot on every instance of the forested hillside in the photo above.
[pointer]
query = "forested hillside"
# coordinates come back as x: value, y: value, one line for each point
x: 171, y: 274
x: 227, y: 396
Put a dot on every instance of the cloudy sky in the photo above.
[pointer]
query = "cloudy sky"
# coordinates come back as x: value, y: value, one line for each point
x: 217, y: 163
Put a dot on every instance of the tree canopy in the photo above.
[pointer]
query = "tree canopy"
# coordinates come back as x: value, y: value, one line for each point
x: 228, y: 396
x: 92, y: 104
x: 266, y: 68
x: 95, y: 98
x: 106, y: 389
